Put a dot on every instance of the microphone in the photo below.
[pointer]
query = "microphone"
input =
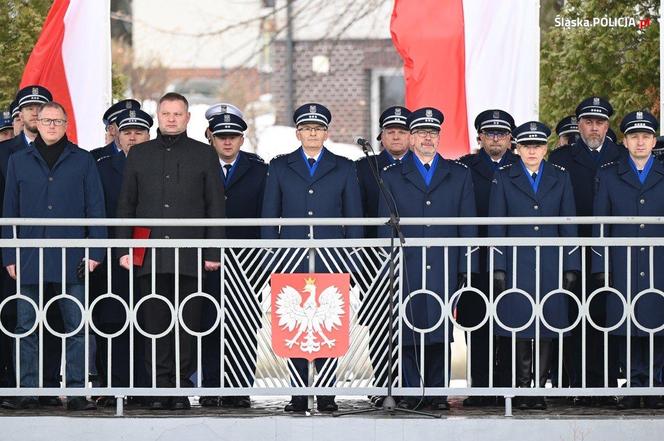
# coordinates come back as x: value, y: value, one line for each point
x: 366, y: 145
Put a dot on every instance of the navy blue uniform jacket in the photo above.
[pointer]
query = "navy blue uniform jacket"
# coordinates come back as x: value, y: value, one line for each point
x: 450, y: 194
x: 620, y: 193
x: 512, y: 195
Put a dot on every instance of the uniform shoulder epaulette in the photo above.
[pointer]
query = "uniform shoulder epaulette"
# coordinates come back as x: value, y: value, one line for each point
x: 101, y: 158
x: 559, y: 166
x: 280, y: 156
x: 255, y: 157
x: 459, y: 163
x: 609, y: 164
x: 506, y: 166
x: 467, y: 157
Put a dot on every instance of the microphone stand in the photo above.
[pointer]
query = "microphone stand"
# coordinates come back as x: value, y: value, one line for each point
x: 389, y: 403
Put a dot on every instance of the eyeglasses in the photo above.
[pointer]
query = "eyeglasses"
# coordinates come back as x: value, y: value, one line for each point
x: 425, y: 133
x: 48, y: 121
x: 495, y: 134
x: 316, y: 130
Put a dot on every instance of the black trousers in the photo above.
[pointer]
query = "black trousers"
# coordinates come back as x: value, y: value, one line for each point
x: 157, y: 317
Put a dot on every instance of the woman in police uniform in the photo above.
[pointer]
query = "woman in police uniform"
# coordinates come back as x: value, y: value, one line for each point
x: 535, y: 188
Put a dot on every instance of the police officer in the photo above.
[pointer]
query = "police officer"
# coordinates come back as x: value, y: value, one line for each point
x: 16, y: 116
x: 28, y: 99
x: 133, y: 127
x: 426, y: 185
x: 532, y: 187
x: 110, y: 123
x: 494, y: 135
x: 632, y: 186
x: 311, y: 182
x: 394, y: 138
x: 582, y: 160
x: 243, y: 175
x: 567, y: 130
x: 6, y: 126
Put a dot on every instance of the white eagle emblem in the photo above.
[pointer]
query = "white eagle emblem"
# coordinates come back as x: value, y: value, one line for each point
x: 227, y: 118
x: 312, y: 319
x: 595, y: 101
x: 312, y: 109
x: 639, y: 115
x: 397, y: 112
x: 429, y: 113
x: 533, y: 126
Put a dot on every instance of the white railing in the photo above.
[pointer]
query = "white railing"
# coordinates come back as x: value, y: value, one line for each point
x: 244, y: 322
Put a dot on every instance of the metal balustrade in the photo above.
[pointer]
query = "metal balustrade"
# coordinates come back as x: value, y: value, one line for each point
x: 242, y: 312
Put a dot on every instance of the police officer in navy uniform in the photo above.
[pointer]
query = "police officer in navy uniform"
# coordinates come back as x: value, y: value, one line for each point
x: 632, y: 186
x: 582, y: 160
x: 243, y: 175
x: 28, y: 99
x: 532, y: 187
x: 427, y: 185
x: 110, y: 123
x: 394, y: 139
x: 16, y: 116
x: 311, y: 182
x: 567, y: 130
x: 6, y: 126
x: 133, y: 127
x: 494, y: 134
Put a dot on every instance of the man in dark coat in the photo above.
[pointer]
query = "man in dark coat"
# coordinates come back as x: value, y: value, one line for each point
x: 109, y: 315
x: 582, y: 160
x: 394, y: 138
x: 426, y: 185
x: 172, y: 177
x: 244, y: 177
x: 532, y: 187
x: 24, y: 109
x: 110, y: 122
x: 494, y: 135
x: 53, y: 178
x: 633, y: 186
x: 311, y: 182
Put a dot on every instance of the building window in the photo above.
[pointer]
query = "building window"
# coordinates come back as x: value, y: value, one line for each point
x: 387, y: 89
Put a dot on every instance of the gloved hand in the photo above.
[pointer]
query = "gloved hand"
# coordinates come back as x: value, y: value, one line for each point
x: 570, y: 279
x: 499, y: 282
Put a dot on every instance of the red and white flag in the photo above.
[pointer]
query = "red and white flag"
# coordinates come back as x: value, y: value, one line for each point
x: 72, y: 59
x: 310, y: 315
x: 466, y: 56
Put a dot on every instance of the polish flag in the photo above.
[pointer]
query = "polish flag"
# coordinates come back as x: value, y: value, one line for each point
x: 72, y: 59
x: 466, y: 56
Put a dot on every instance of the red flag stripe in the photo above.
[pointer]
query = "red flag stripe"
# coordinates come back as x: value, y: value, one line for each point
x: 46, y: 66
x: 429, y: 36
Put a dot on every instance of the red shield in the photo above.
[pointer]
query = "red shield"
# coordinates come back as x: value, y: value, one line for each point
x: 310, y: 315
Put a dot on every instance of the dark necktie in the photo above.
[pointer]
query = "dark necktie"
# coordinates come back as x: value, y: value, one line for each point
x: 534, y: 175
x: 594, y: 154
x: 640, y: 171
x: 227, y: 169
x: 427, y: 166
x: 311, y: 161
